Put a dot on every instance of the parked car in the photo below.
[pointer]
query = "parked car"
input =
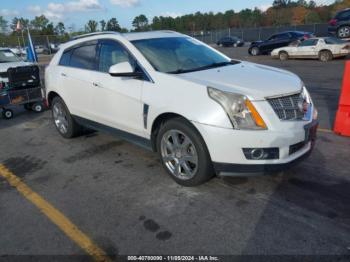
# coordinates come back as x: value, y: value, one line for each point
x: 339, y: 26
x: 52, y: 48
x: 230, y: 41
x: 277, y: 41
x: 204, y: 113
x: 324, y: 49
x: 39, y: 49
x: 19, y: 51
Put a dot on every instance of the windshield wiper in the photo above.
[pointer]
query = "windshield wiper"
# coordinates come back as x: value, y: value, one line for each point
x: 213, y: 65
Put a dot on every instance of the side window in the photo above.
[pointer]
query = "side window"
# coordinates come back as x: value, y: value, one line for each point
x: 65, y: 58
x: 309, y: 42
x: 112, y: 53
x: 282, y: 36
x: 84, y: 57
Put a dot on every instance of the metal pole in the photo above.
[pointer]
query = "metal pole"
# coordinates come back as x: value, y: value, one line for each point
x: 48, y: 44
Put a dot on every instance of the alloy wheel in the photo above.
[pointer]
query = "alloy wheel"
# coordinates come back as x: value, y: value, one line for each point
x: 60, y: 118
x: 179, y: 154
x: 344, y: 32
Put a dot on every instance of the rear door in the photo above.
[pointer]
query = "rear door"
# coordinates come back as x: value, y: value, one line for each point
x: 77, y: 68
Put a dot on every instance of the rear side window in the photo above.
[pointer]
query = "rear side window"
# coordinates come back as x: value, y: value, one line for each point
x: 309, y: 42
x: 84, y: 57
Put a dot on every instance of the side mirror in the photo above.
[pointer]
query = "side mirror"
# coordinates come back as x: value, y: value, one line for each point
x: 124, y: 69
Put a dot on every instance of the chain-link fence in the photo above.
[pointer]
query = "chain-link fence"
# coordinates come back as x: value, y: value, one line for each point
x: 259, y: 33
x: 20, y: 40
x: 209, y: 37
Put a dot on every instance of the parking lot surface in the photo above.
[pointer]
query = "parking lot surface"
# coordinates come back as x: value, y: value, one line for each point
x: 121, y: 198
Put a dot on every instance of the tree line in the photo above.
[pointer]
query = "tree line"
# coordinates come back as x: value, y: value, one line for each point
x: 282, y: 12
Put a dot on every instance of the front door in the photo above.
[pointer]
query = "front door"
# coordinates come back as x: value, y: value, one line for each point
x: 117, y: 100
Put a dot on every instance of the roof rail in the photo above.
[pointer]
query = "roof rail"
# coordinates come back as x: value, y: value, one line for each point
x: 95, y: 33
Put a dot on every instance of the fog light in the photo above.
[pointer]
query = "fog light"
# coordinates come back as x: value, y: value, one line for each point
x: 261, y: 153
x: 257, y: 153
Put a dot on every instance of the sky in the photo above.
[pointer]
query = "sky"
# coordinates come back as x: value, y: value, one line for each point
x: 78, y: 12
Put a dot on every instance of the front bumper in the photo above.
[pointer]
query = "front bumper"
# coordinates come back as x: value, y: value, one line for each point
x: 225, y: 147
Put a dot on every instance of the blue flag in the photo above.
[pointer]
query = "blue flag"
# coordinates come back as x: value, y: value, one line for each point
x: 31, y: 54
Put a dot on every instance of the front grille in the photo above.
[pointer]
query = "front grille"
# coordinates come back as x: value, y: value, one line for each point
x: 286, y: 107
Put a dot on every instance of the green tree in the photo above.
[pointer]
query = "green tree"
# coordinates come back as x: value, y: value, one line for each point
x: 103, y: 25
x: 140, y: 23
x: 39, y: 23
x: 60, y: 29
x: 113, y: 25
x: 91, y: 26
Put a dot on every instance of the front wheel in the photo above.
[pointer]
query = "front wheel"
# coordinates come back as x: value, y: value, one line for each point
x: 183, y: 153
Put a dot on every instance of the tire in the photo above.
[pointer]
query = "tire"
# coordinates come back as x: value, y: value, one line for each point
x: 38, y: 107
x: 255, y: 51
x: 7, y: 114
x: 283, y: 56
x: 343, y: 32
x: 325, y: 56
x: 198, y: 168
x: 63, y: 121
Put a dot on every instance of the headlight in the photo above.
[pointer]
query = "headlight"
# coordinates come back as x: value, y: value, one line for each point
x: 239, y: 109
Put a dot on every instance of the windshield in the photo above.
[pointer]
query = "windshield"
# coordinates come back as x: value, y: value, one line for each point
x: 7, y: 56
x: 178, y: 55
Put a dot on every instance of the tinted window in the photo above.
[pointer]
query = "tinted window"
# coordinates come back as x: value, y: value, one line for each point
x: 65, y: 59
x: 112, y: 53
x: 309, y: 42
x: 84, y: 57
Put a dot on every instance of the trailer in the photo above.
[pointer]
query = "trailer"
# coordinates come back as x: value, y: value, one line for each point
x: 23, y: 88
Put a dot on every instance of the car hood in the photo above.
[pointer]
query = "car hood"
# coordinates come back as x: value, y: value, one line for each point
x: 5, y: 66
x: 253, y: 80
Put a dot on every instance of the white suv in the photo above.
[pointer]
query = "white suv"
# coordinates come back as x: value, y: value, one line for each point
x: 203, y: 112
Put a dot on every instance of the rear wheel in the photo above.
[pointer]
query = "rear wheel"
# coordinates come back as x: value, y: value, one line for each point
x: 183, y: 153
x: 325, y: 56
x: 344, y: 32
x: 64, y: 122
x: 255, y: 51
x: 7, y: 113
x: 283, y: 56
x: 38, y: 107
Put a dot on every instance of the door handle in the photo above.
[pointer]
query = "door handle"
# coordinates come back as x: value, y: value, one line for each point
x: 63, y: 74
